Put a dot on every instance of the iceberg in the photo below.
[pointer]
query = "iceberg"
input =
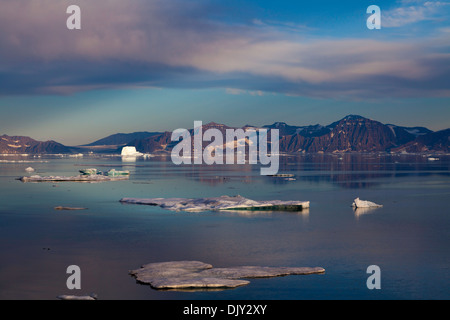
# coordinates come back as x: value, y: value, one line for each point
x: 219, y: 203
x: 115, y: 173
x: 130, y: 152
x: 357, y: 203
x: 29, y: 169
x: 197, y: 274
x: 90, y: 171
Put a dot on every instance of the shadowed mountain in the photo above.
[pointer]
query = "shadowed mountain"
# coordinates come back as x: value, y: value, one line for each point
x: 352, y: 133
x: 23, y: 145
x: 121, y: 138
x: 433, y: 141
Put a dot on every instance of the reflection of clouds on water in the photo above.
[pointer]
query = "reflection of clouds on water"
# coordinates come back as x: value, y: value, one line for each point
x: 363, y: 211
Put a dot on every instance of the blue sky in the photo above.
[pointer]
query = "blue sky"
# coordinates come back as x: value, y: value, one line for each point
x: 160, y: 65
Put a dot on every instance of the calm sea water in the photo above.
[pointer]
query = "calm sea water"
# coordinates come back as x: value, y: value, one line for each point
x: 408, y: 238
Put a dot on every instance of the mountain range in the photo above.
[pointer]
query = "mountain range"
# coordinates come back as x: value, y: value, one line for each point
x: 25, y: 145
x: 352, y: 133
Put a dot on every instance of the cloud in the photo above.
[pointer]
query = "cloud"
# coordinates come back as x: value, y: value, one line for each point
x: 234, y: 91
x: 178, y: 44
x: 414, y: 11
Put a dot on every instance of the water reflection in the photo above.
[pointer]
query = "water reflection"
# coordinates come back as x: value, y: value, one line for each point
x: 304, y: 213
x: 363, y: 211
x: 351, y: 171
x: 129, y: 158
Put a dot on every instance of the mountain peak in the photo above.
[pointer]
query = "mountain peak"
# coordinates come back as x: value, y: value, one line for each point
x: 354, y: 117
x: 279, y: 124
x: 214, y: 124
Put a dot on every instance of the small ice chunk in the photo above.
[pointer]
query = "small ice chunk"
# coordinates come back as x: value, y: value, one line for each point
x: 69, y: 208
x: 357, y: 203
x: 29, y: 169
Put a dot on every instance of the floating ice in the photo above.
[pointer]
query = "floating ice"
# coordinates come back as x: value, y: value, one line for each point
x: 130, y: 152
x: 29, y: 169
x: 196, y: 274
x: 73, y: 297
x: 80, y: 178
x: 219, y: 203
x: 364, y: 204
x: 283, y: 175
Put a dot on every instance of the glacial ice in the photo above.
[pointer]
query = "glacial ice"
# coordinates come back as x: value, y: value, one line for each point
x: 29, y: 169
x: 130, y: 152
x: 219, y: 203
x: 196, y: 274
x: 357, y: 203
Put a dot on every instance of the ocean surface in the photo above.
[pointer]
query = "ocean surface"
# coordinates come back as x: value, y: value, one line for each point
x: 408, y: 238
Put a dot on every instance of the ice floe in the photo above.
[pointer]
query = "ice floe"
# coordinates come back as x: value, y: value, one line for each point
x: 282, y: 175
x: 73, y: 297
x: 21, y: 161
x: 29, y: 169
x: 357, y: 203
x: 80, y: 178
x: 196, y: 274
x: 219, y: 203
x: 69, y: 208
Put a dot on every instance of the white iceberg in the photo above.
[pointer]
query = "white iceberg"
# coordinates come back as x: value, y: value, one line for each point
x: 196, y: 274
x: 357, y: 203
x: 219, y: 203
x: 29, y: 169
x: 130, y: 152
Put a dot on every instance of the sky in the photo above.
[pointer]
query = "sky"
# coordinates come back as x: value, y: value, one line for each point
x: 159, y: 65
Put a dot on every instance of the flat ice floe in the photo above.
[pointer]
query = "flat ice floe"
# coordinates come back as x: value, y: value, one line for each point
x: 69, y: 208
x: 80, y: 178
x: 73, y: 297
x: 196, y: 274
x: 219, y: 203
x: 357, y: 203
